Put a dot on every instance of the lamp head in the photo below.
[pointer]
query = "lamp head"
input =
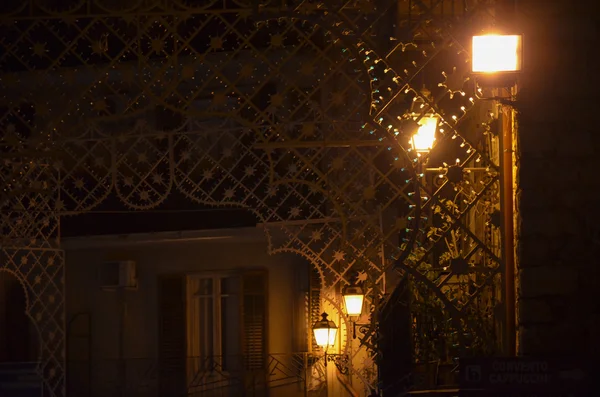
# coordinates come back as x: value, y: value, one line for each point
x: 325, y: 331
x: 353, y: 298
x: 422, y: 141
x: 496, y: 53
x: 497, y: 59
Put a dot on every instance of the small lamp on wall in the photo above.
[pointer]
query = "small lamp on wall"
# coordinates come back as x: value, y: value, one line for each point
x: 354, y: 297
x: 325, y: 332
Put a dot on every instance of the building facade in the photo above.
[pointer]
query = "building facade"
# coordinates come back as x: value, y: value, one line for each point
x: 214, y: 312
x: 200, y: 313
x: 301, y: 114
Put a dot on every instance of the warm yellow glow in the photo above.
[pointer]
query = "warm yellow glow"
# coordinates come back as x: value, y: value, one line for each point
x: 496, y: 53
x: 325, y: 336
x: 325, y: 332
x: 423, y: 140
x: 354, y: 304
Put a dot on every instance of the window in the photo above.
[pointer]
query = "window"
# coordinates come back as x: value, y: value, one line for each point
x: 212, y: 327
x: 214, y: 322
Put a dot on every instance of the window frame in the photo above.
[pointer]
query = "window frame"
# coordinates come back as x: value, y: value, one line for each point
x: 213, y: 365
x: 194, y: 346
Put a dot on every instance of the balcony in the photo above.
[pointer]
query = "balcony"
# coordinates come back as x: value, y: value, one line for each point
x: 289, y: 375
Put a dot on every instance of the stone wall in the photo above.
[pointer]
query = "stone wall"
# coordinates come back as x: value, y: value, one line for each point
x: 558, y: 180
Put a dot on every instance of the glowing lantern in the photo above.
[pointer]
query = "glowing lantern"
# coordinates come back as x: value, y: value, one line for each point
x: 325, y: 332
x: 353, y: 298
x: 422, y: 141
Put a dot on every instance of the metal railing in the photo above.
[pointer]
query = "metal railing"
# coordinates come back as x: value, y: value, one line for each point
x: 284, y: 374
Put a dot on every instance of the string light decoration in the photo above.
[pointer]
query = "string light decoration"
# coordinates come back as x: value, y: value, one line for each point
x: 291, y: 113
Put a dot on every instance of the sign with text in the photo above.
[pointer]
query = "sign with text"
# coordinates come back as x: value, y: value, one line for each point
x: 507, y: 393
x: 20, y: 380
x: 523, y: 374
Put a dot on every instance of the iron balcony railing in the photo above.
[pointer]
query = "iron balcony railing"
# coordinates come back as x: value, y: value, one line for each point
x: 289, y: 375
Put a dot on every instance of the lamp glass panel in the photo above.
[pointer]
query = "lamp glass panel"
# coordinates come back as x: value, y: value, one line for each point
x: 496, y: 53
x: 331, y: 336
x: 423, y: 140
x: 354, y: 304
x: 321, y: 336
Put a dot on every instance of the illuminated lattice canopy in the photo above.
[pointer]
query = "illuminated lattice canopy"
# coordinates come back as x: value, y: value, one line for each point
x: 296, y: 114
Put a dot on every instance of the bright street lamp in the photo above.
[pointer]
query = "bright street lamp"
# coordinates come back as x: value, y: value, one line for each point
x: 353, y: 298
x: 325, y: 332
x: 422, y: 141
x: 494, y: 53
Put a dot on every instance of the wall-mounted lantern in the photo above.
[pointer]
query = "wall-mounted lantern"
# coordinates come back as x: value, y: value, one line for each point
x: 354, y: 297
x: 325, y: 332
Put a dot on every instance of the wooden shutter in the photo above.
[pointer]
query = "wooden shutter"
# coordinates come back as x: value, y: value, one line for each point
x: 301, y: 307
x: 314, y: 303
x: 172, y: 336
x: 254, y: 319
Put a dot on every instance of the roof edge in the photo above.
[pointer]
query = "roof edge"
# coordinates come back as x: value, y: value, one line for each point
x: 242, y: 234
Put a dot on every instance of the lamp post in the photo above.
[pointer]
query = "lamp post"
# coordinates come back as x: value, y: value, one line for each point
x: 496, y: 62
